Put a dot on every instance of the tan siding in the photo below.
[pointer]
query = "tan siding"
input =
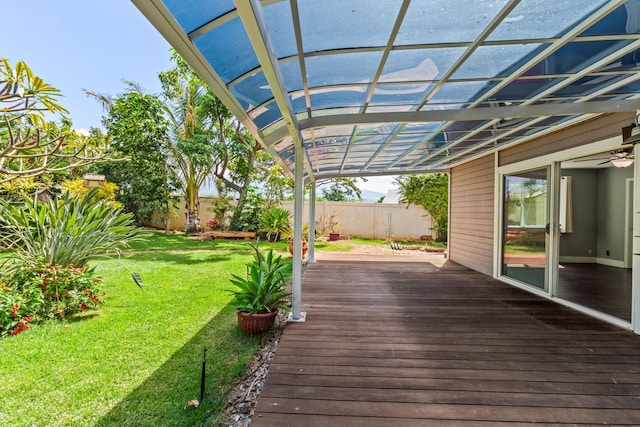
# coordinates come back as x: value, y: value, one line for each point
x: 471, y: 222
x: 591, y: 131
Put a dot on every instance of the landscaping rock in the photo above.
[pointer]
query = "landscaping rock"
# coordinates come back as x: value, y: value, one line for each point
x: 243, y: 398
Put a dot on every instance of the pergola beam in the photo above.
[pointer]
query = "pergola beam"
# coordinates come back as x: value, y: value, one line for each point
x: 516, y: 111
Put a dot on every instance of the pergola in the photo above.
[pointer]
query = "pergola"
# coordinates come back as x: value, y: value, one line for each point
x: 348, y: 88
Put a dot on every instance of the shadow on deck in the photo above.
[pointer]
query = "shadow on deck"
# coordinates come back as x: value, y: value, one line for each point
x: 433, y: 343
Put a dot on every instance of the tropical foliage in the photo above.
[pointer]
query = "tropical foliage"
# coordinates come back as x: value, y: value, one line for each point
x: 139, y: 130
x: 30, y: 146
x: 263, y: 289
x: 431, y: 191
x: 275, y: 221
x: 342, y: 190
x: 106, y: 190
x: 65, y: 231
x: 247, y: 216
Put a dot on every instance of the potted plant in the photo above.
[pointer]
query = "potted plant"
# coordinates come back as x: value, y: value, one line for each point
x: 305, y: 246
x: 260, y: 294
x: 334, y: 232
x: 275, y: 221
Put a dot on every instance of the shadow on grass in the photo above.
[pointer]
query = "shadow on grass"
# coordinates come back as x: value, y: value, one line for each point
x: 161, y: 399
x: 181, y: 258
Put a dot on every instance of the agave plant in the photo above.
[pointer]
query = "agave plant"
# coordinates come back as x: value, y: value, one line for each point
x: 275, y: 221
x: 65, y: 231
x: 263, y: 290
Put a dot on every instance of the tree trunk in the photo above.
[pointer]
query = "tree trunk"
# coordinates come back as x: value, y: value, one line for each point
x: 242, y: 189
x: 193, y: 223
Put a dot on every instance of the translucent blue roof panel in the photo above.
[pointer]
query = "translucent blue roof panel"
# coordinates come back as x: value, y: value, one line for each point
x: 350, y: 23
x: 266, y: 115
x: 624, y: 20
x: 330, y: 131
x: 338, y: 97
x: 282, y: 35
x: 400, y: 94
x: 252, y: 91
x: 291, y: 74
x: 327, y: 70
x: 228, y: 50
x: 496, y: 61
x: 535, y: 19
x: 459, y: 92
x: 192, y: 14
x: 446, y: 21
x: 386, y: 86
x: 418, y: 65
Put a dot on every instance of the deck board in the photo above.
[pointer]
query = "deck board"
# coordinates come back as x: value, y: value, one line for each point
x: 421, y: 343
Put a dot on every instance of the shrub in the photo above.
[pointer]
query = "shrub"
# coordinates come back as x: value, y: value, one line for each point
x: 214, y: 224
x: 39, y: 292
x: 65, y: 231
x: 14, y: 311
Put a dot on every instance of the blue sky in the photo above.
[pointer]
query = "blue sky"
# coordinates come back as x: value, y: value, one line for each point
x: 84, y: 44
x: 76, y: 44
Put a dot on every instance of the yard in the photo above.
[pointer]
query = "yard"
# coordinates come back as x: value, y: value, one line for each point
x: 136, y: 361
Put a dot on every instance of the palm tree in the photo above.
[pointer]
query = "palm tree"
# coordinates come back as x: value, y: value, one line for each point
x: 192, y: 148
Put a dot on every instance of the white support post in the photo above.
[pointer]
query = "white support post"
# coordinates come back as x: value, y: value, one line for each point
x: 311, y: 253
x: 298, y: 197
x: 635, y: 271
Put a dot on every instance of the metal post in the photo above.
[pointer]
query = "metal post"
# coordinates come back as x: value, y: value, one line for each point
x: 298, y: 197
x: 312, y: 223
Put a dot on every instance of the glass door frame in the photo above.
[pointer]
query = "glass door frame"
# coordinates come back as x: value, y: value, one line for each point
x: 551, y: 240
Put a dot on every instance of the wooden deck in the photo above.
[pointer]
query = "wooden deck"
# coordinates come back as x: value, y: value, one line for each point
x: 417, y: 344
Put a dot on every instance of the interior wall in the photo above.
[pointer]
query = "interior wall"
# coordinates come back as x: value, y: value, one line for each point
x: 582, y: 242
x: 598, y: 198
x: 611, y: 212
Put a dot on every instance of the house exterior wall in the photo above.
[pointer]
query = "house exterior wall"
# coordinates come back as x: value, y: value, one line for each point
x: 471, y: 218
x: 594, y: 130
x: 471, y: 222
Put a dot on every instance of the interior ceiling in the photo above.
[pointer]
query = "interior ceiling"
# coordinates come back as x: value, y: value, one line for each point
x: 387, y: 87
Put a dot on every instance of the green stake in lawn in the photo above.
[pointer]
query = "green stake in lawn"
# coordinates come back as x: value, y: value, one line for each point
x: 204, y: 368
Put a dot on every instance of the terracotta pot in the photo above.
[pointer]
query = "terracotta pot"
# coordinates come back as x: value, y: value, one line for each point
x: 305, y: 247
x: 334, y: 236
x: 256, y: 323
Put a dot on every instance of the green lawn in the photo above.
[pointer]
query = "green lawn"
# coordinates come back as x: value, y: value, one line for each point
x: 137, y: 361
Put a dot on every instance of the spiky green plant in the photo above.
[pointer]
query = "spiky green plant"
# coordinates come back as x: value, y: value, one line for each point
x: 263, y: 290
x: 67, y: 230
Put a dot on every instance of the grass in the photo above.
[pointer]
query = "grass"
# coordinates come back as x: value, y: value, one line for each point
x: 159, y: 241
x: 136, y: 361
x: 516, y: 249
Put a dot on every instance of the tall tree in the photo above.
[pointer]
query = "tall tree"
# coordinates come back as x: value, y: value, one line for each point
x: 207, y: 141
x: 139, y: 130
x: 192, y: 148
x: 431, y: 191
x: 31, y: 146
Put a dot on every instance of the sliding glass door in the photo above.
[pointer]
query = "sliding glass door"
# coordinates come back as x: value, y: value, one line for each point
x: 526, y: 226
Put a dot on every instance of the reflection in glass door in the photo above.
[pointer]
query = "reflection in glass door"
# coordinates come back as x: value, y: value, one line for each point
x: 526, y: 219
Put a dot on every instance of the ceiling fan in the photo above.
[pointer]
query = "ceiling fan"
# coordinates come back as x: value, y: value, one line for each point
x: 620, y: 158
